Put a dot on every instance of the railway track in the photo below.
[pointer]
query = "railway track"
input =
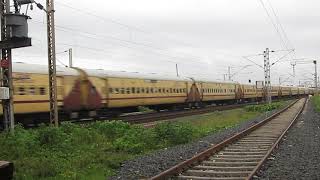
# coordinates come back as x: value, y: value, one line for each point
x: 143, y: 118
x: 240, y: 156
x: 150, y: 118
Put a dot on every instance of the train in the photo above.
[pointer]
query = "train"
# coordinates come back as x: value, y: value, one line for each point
x: 89, y: 93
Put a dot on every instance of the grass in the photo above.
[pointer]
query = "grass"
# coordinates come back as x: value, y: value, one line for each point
x: 316, y: 102
x: 212, y: 122
x: 95, y: 151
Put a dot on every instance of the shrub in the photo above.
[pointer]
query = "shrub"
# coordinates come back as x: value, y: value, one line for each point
x: 174, y: 133
x: 135, y: 140
x: 111, y: 129
x: 316, y: 102
x: 262, y: 108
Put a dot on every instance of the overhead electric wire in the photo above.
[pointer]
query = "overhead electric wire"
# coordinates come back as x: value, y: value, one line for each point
x: 110, y: 53
x: 81, y: 33
x: 282, y: 29
x: 274, y: 25
x: 91, y: 13
x: 280, y: 25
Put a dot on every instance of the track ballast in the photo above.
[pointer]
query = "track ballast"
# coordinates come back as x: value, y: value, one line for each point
x: 240, y: 156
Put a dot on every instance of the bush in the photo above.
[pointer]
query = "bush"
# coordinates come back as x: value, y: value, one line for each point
x: 262, y: 108
x: 316, y: 102
x: 174, y: 133
x: 132, y: 141
x: 81, y: 151
x: 111, y: 129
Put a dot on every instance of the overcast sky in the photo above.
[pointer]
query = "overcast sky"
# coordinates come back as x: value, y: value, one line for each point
x: 203, y: 37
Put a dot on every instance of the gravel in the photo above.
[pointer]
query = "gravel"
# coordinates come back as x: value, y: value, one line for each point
x: 298, y: 156
x: 151, y: 164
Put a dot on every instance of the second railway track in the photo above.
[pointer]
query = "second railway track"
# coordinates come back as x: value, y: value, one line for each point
x: 240, y: 156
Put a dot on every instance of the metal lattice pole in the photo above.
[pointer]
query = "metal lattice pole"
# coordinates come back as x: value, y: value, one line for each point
x: 267, y: 75
x: 52, y: 64
x: 6, y: 70
x: 70, y: 58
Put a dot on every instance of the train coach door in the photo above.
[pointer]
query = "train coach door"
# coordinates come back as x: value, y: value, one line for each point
x: 193, y: 94
x: 60, y: 90
x: 201, y: 91
x: 239, y: 91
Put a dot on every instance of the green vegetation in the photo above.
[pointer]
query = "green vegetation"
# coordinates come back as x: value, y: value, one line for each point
x: 144, y: 109
x: 264, y: 108
x: 92, y: 151
x: 316, y: 102
x: 95, y: 151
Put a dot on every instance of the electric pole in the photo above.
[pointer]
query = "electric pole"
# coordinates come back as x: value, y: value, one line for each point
x: 279, y: 81
x: 52, y: 63
x: 70, y: 58
x: 177, y: 70
x: 6, y: 71
x: 14, y: 34
x: 229, y: 73
x: 315, y: 76
x: 293, y: 64
x: 267, y: 80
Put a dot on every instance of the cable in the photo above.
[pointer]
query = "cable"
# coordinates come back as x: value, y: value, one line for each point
x: 72, y: 30
x: 100, y: 17
x: 61, y: 63
x: 90, y: 13
x: 282, y: 29
x: 104, y: 51
x: 280, y: 25
x: 274, y: 25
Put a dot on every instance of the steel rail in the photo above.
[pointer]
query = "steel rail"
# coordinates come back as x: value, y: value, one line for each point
x: 154, y: 117
x: 216, y: 148
x: 275, y: 145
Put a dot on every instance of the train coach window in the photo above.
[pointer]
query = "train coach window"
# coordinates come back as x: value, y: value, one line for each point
x: 116, y: 91
x: 133, y: 90
x: 42, y: 91
x: 121, y: 90
x: 151, y: 90
x: 32, y: 91
x: 170, y: 90
x: 21, y: 91
x: 128, y: 90
x: 147, y: 90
